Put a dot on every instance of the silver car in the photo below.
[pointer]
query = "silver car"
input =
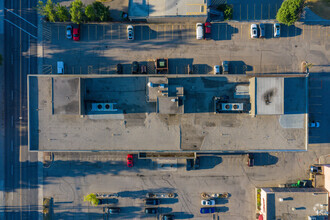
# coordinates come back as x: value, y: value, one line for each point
x: 277, y: 30
x: 130, y: 32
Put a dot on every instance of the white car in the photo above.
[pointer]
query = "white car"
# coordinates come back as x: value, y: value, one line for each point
x: 314, y: 124
x: 277, y: 30
x: 69, y: 31
x: 130, y: 32
x: 199, y: 31
x: 216, y: 69
x: 208, y: 202
x: 254, y: 31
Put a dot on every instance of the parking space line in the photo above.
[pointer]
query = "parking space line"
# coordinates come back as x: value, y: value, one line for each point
x: 118, y: 31
x: 111, y: 31
x: 247, y: 11
x: 157, y: 33
x: 303, y: 32
x: 254, y: 12
x: 226, y: 32
x: 73, y: 70
x: 268, y: 10
x: 240, y: 12
x: 172, y: 31
x: 103, y: 35
x: 241, y: 32
x: 58, y: 32
x: 95, y: 32
x: 261, y: 12
x: 88, y: 31
x: 149, y: 32
x: 80, y: 70
x: 141, y: 32
x: 219, y: 31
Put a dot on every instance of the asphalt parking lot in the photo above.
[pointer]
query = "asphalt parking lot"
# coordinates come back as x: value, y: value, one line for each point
x: 73, y: 175
x: 103, y: 46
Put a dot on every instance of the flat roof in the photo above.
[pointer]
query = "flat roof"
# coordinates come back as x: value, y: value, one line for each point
x: 296, y: 203
x: 64, y: 115
x: 165, y: 8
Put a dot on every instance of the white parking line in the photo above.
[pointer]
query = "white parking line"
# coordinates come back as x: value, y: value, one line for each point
x: 12, y: 120
x: 12, y: 94
x: 12, y: 169
x: 12, y: 145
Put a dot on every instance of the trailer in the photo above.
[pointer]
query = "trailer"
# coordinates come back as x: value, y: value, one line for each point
x: 160, y: 195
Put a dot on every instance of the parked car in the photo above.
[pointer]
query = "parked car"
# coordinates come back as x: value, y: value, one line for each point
x: 113, y: 210
x: 225, y: 66
x: 190, y: 164
x: 119, y: 68
x: 152, y: 201
x: 199, y: 31
x: 254, y: 31
x: 197, y: 162
x: 168, y: 217
x: 262, y: 30
x: 314, y: 124
x: 69, y: 32
x: 277, y: 30
x: 143, y: 69
x: 76, y: 33
x: 135, y: 67
x: 151, y: 210
x: 250, y: 160
x: 207, y: 210
x: 207, y: 28
x: 216, y: 69
x: 129, y: 159
x: 208, y: 202
x: 130, y: 32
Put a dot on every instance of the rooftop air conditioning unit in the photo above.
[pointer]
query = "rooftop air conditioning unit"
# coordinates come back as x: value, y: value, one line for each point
x: 232, y: 107
x: 103, y: 107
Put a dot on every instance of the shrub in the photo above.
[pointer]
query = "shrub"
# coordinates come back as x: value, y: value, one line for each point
x: 290, y: 11
x: 47, y: 10
x: 62, y: 13
x: 77, y: 11
x: 227, y: 11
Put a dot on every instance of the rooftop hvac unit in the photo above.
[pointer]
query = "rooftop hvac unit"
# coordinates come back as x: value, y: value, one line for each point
x: 232, y: 107
x: 103, y: 107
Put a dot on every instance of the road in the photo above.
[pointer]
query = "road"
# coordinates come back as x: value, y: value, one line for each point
x: 21, y: 178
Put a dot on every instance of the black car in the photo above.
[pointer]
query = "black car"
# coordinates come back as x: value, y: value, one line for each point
x: 152, y: 201
x: 168, y: 217
x: 262, y: 30
x: 250, y: 160
x: 135, y: 67
x: 119, y: 68
x: 190, y: 164
x: 151, y: 210
x: 113, y: 210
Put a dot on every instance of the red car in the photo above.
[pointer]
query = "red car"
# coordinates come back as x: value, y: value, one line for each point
x: 207, y: 28
x: 76, y: 33
x: 129, y: 160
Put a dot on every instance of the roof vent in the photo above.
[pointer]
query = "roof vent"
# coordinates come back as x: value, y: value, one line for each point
x: 232, y: 106
x: 100, y: 107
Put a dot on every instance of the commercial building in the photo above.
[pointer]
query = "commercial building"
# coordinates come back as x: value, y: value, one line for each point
x: 167, y: 10
x: 167, y: 113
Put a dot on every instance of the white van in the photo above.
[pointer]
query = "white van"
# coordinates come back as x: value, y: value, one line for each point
x: 60, y: 67
x: 199, y: 31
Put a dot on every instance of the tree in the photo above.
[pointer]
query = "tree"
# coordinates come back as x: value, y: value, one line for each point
x: 97, y: 12
x: 62, y: 13
x: 77, y: 11
x: 47, y: 10
x: 102, y: 12
x: 92, y: 199
x: 290, y: 11
x: 90, y: 13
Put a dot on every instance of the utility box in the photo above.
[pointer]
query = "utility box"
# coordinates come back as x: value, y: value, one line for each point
x: 60, y: 67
